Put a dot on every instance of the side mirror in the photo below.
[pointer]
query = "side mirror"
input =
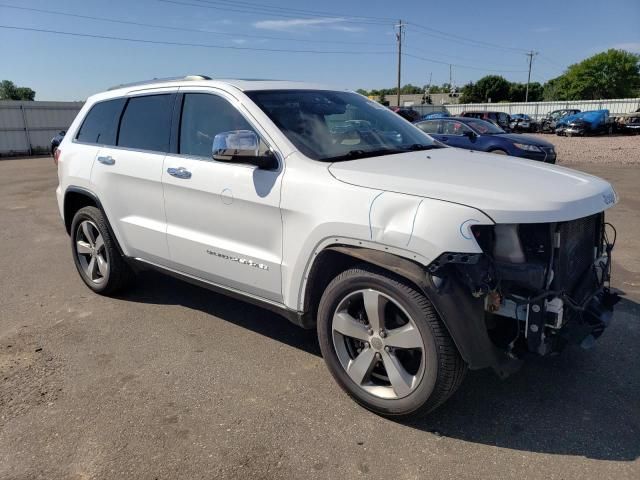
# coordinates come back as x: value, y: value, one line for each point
x: 241, y: 146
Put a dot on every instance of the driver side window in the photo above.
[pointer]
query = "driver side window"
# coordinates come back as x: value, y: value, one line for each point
x: 203, y: 117
x: 454, y: 128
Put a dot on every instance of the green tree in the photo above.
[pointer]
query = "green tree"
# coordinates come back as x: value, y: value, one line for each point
x: 469, y: 94
x: 9, y: 91
x: 517, y: 92
x: 492, y: 87
x: 610, y: 74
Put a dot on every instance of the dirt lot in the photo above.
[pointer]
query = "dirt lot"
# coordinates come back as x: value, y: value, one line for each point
x: 602, y: 149
x: 171, y: 381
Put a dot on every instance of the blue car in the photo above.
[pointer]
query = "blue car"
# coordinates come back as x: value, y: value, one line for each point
x: 585, y: 123
x: 476, y: 134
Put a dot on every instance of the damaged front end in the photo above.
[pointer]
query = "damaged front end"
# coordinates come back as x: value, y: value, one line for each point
x: 542, y: 286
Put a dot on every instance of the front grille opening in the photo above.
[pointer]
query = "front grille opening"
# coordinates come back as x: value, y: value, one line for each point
x: 579, y: 243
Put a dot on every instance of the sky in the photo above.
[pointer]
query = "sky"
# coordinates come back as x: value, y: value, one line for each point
x: 338, y: 43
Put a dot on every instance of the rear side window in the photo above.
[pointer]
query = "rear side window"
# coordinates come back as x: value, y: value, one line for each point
x: 101, y: 123
x: 146, y: 123
x: 203, y: 117
x: 430, y: 126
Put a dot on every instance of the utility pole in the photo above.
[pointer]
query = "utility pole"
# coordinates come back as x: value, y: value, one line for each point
x: 399, y: 38
x: 530, y: 55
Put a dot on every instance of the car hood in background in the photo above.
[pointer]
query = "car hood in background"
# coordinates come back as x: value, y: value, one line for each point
x: 526, y: 139
x: 508, y: 189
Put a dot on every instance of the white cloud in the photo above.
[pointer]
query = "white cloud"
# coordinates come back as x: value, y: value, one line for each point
x: 542, y: 30
x: 307, y: 23
x: 629, y: 47
x: 239, y: 41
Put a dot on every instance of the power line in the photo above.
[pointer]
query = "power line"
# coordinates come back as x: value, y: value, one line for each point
x: 482, y: 69
x: 459, y: 39
x: 184, y: 29
x: 449, y: 57
x: 318, y: 13
x: 185, y: 44
x: 262, y: 11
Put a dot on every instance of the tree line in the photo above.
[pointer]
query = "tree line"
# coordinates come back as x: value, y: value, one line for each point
x: 10, y: 91
x: 610, y: 74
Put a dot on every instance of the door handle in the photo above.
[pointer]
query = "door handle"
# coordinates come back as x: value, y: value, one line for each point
x: 107, y: 160
x: 179, y: 172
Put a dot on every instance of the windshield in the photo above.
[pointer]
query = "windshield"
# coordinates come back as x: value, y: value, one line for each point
x: 484, y: 128
x: 331, y: 126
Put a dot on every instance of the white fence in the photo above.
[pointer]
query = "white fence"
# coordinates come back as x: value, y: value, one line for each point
x: 27, y: 127
x: 538, y: 109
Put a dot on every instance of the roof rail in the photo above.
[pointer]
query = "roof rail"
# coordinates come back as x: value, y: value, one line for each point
x: 160, y: 80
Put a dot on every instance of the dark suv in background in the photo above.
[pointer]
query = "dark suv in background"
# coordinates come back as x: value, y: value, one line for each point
x: 503, y: 120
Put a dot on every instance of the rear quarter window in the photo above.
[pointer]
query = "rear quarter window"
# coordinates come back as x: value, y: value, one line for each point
x: 430, y: 126
x: 101, y: 123
x: 146, y: 123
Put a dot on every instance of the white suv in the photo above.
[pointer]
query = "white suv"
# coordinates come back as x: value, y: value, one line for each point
x: 414, y: 261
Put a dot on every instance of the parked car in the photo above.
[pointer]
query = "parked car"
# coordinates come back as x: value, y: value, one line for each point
x: 407, y: 113
x: 501, y: 119
x: 475, y: 134
x: 591, y: 122
x: 628, y: 122
x: 412, y: 261
x: 549, y: 121
x: 55, y: 141
x: 522, y: 123
x: 436, y: 115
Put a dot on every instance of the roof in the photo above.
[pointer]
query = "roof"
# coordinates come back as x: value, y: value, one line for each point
x: 240, y: 84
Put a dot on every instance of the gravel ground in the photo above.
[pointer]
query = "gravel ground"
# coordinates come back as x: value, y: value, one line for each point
x: 170, y: 381
x: 603, y: 149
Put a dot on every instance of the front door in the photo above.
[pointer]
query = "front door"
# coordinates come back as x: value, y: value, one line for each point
x: 223, y: 219
x: 455, y: 134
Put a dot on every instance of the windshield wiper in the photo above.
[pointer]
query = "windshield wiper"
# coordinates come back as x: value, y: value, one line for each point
x: 419, y: 146
x: 355, y: 154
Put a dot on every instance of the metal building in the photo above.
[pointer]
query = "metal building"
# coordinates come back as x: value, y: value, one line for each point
x: 27, y: 127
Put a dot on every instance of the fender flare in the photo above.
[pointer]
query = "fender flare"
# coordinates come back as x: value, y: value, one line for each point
x: 96, y: 200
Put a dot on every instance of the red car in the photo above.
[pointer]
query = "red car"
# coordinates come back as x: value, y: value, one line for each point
x: 499, y: 118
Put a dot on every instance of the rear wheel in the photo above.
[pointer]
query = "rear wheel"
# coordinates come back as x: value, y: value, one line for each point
x: 96, y: 256
x: 384, y: 344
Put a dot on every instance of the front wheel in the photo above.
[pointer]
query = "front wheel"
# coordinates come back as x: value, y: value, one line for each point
x: 384, y: 344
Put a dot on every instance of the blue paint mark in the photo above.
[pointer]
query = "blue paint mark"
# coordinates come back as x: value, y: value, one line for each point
x: 371, y: 208
x: 464, y: 224
x: 413, y: 224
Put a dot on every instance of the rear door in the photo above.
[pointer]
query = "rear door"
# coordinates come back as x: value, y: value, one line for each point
x: 223, y: 219
x: 128, y: 175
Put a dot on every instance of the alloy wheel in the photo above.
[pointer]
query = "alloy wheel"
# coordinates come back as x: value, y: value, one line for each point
x: 91, y: 252
x: 378, y: 344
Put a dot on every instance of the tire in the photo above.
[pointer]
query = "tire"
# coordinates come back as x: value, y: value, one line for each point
x: 498, y: 151
x: 434, y: 380
x: 95, y: 253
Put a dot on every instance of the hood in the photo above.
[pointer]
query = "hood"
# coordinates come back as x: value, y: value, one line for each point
x: 594, y: 117
x: 526, y: 139
x: 507, y: 189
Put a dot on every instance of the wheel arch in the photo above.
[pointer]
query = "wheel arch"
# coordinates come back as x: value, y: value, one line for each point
x: 460, y: 312
x: 335, y: 259
x: 76, y: 198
